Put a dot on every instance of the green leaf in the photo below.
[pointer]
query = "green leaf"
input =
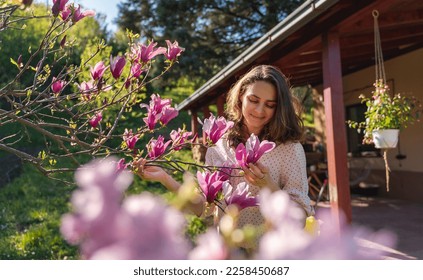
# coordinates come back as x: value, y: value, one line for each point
x: 14, y: 63
x: 42, y: 155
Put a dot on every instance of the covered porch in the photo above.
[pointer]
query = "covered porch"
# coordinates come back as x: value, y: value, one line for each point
x: 323, y: 44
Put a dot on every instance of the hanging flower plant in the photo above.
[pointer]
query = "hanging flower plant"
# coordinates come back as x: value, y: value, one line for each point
x: 386, y: 112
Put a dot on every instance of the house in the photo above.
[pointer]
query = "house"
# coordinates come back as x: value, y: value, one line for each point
x: 329, y: 45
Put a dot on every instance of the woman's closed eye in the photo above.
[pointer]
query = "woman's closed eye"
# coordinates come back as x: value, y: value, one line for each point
x: 270, y: 105
x: 254, y: 101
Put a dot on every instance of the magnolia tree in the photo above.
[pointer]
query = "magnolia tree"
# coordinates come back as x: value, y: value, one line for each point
x: 69, y: 113
x: 66, y: 110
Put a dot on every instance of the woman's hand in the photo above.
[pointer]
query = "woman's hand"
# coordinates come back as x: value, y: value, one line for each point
x: 258, y: 175
x: 157, y: 174
x: 150, y: 173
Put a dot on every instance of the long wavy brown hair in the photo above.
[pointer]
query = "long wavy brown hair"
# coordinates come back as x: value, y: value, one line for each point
x: 286, y: 124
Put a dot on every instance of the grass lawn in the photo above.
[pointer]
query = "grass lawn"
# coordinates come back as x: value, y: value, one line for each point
x: 31, y: 207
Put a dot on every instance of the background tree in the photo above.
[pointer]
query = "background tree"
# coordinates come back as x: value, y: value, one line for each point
x: 214, y: 31
x: 24, y: 37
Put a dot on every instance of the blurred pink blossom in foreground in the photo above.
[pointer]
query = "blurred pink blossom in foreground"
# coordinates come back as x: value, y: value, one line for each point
x: 106, y: 226
x: 142, y: 227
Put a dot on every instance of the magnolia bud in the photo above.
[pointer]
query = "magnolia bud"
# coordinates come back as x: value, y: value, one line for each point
x: 20, y: 61
x: 63, y: 42
x: 26, y: 2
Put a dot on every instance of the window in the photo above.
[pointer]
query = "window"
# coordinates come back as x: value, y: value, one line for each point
x: 355, y: 139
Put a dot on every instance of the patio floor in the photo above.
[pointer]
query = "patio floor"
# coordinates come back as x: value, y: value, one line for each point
x: 404, y: 218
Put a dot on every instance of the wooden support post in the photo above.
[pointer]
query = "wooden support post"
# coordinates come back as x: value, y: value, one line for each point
x: 194, y: 122
x: 206, y: 114
x: 335, y: 128
x: 220, y: 103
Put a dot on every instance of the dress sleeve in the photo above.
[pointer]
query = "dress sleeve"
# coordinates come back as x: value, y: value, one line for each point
x: 210, y: 156
x: 294, y: 176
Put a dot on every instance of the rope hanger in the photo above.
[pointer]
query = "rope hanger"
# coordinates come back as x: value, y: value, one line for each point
x: 380, y: 76
x: 380, y: 67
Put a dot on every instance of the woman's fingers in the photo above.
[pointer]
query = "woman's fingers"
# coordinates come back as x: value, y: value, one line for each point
x: 257, y: 174
x: 256, y: 171
x: 264, y: 169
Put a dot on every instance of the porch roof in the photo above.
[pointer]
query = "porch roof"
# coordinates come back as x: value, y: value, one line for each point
x: 295, y: 44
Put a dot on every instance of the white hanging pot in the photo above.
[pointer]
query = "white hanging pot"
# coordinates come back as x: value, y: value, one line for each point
x: 385, y: 138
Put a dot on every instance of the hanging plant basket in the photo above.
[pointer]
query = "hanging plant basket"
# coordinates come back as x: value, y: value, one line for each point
x: 385, y: 138
x: 384, y: 110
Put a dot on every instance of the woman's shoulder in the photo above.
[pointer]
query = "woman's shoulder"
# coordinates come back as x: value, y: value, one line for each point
x: 289, y: 146
x: 221, y: 147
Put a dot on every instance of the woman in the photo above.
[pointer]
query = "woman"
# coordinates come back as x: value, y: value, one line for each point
x: 260, y: 103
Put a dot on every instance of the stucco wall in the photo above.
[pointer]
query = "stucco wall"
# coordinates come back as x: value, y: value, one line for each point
x: 405, y: 74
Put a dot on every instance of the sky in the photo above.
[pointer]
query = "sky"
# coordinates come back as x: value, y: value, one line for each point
x: 106, y: 7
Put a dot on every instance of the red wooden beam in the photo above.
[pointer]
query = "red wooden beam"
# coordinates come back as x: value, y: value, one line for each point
x: 220, y: 103
x: 336, y: 139
x: 194, y: 123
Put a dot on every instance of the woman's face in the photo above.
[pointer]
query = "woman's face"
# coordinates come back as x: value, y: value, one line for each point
x: 258, y: 106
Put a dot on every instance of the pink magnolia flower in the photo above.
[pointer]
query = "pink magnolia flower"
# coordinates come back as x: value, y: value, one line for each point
x: 95, y: 120
x: 173, y: 50
x: 252, y: 151
x: 57, y: 85
x: 158, y: 109
x: 86, y: 88
x: 168, y: 113
x: 149, y: 230
x: 179, y: 138
x: 290, y: 241
x: 210, y: 184
x: 240, y: 196
x: 152, y: 118
x: 142, y: 227
x: 78, y: 15
x: 215, y: 128
x: 157, y: 104
x: 121, y: 165
x: 116, y: 66
x: 130, y: 139
x: 66, y: 12
x: 210, y: 246
x: 156, y: 148
x: 58, y: 6
x: 96, y: 205
x: 145, y: 53
x: 277, y: 208
x: 136, y: 70
x: 98, y: 71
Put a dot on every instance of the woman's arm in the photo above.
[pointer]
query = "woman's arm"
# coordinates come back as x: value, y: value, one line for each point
x: 157, y: 174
